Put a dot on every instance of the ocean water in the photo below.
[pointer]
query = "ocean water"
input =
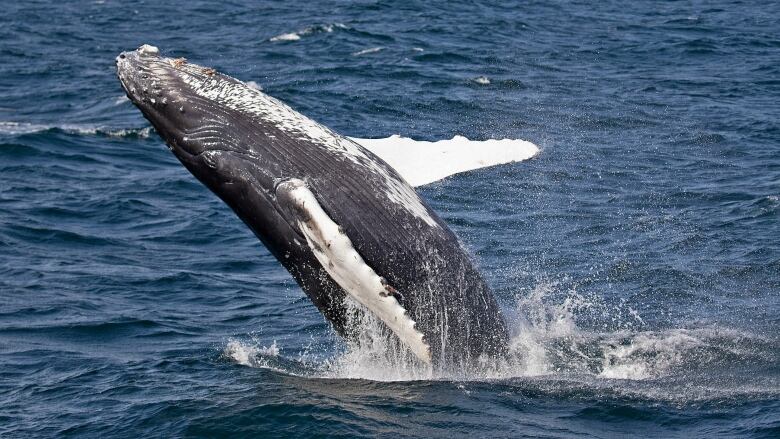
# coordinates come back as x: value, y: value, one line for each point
x: 636, y: 256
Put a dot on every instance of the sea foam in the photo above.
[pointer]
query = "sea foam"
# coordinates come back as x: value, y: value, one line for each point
x: 546, y: 342
x: 21, y: 128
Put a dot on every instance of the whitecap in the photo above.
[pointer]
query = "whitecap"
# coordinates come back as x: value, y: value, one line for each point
x: 367, y: 51
x: 295, y: 36
x: 286, y: 37
x: 15, y: 128
x: 328, y: 27
x: 19, y: 128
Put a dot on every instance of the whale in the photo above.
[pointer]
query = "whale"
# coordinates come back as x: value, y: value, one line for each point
x: 351, y: 231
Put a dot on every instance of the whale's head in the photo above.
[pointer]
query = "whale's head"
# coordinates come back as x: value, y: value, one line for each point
x: 156, y: 85
x: 174, y: 96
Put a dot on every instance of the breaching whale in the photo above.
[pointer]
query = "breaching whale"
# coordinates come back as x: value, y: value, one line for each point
x: 341, y: 220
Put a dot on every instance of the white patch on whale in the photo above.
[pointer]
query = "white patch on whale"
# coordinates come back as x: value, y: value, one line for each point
x: 250, y: 101
x: 334, y: 250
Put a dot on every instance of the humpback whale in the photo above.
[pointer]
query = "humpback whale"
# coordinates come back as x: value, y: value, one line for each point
x: 343, y: 222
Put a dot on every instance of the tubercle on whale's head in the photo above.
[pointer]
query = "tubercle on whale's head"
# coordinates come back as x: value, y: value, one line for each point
x: 158, y: 86
x: 196, y: 129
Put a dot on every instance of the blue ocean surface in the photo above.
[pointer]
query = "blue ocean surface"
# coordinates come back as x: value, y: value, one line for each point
x: 636, y: 257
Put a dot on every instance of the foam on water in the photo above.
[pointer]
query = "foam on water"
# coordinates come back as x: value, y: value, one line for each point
x: 367, y: 51
x: 20, y: 128
x: 547, y: 343
x: 295, y: 36
x: 286, y: 37
x: 250, y: 353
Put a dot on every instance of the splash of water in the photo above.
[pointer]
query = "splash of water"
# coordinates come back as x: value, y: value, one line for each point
x: 250, y: 353
x: 546, y: 341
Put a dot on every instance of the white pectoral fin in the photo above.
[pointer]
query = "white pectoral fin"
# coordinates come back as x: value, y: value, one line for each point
x: 421, y: 162
x: 334, y: 250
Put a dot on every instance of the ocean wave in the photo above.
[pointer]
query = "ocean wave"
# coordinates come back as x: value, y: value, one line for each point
x: 320, y: 28
x: 286, y: 37
x: 21, y: 128
x: 368, y: 51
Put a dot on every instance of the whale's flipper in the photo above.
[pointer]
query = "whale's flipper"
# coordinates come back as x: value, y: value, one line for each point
x: 334, y: 250
x: 420, y: 162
